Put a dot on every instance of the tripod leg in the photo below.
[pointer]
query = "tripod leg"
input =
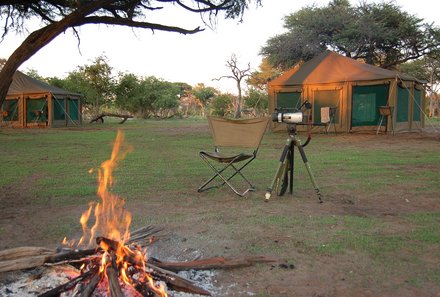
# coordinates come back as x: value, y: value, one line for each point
x: 281, y: 171
x: 309, y: 169
x: 291, y: 169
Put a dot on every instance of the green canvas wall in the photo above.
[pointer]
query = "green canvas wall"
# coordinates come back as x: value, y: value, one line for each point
x: 288, y: 100
x: 366, y: 100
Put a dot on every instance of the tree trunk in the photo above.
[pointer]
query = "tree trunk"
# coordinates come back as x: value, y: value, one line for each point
x: 37, y: 40
x: 239, y: 101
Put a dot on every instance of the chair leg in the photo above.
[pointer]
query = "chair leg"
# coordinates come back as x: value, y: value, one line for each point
x: 218, y: 173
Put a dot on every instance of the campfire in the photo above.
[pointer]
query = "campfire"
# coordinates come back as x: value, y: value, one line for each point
x: 110, y: 261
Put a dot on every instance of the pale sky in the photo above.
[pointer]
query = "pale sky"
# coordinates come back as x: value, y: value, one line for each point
x: 193, y: 59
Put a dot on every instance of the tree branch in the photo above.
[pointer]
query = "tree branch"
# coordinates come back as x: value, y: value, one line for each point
x: 135, y: 24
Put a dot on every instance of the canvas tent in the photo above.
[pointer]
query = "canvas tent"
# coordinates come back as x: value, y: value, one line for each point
x: 33, y: 103
x: 356, y: 89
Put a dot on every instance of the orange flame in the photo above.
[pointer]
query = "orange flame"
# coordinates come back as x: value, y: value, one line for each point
x: 111, y: 218
x: 112, y: 221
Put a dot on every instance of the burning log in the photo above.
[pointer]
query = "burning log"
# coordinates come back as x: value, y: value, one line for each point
x: 115, y: 288
x: 90, y: 287
x: 173, y: 280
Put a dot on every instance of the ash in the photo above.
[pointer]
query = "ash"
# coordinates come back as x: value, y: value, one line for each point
x: 33, y: 282
x: 204, y: 279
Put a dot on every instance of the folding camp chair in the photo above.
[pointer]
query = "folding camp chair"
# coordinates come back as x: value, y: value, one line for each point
x: 385, y: 112
x: 328, y: 118
x: 230, y: 134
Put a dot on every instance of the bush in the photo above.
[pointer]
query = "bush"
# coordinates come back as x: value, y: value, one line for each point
x: 221, y: 105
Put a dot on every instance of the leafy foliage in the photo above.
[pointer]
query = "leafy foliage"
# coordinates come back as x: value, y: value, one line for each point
x: 257, y: 100
x: 266, y: 73
x: 428, y: 69
x: 148, y: 96
x: 222, y: 105
x: 378, y: 33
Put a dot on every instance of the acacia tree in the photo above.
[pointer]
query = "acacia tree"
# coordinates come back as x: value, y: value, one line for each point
x: 427, y: 68
x: 377, y: 33
x: 57, y: 16
x: 266, y: 73
x: 238, y: 75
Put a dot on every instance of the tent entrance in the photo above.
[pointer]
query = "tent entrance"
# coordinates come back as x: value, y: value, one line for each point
x: 326, y: 98
x: 36, y: 112
x: 365, y: 103
x: 65, y: 111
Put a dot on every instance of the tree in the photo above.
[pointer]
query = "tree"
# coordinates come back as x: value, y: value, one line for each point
x: 147, y: 96
x: 377, y: 33
x: 257, y: 100
x: 128, y: 93
x: 238, y: 75
x: 221, y: 104
x: 266, y: 73
x: 57, y: 16
x: 428, y: 69
x: 203, y: 94
x: 99, y: 76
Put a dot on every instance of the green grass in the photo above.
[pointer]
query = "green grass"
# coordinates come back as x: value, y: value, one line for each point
x: 159, y: 178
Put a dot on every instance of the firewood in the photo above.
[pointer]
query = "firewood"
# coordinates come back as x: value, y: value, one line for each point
x: 115, y: 288
x: 150, y: 230
x: 90, y: 287
x: 211, y: 263
x: 144, y: 289
x: 22, y: 263
x: 67, y: 286
x: 22, y: 252
x: 175, y: 282
x: 69, y: 255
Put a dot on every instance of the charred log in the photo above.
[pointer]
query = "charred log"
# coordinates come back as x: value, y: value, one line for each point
x: 68, y: 286
x: 211, y: 263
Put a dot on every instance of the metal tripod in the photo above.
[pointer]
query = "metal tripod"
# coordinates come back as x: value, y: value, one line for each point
x: 284, y: 174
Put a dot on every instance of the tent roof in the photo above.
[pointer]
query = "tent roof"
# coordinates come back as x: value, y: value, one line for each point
x: 24, y: 84
x: 330, y: 67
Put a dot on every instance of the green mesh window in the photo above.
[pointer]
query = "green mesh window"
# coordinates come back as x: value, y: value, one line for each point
x: 366, y: 99
x: 74, y: 109
x: 10, y: 109
x: 36, y: 110
x: 325, y: 98
x: 402, y: 104
x: 288, y: 100
x: 417, y: 110
x: 59, y: 110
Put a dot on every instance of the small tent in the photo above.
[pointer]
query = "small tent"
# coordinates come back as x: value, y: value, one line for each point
x: 33, y: 103
x: 354, y: 89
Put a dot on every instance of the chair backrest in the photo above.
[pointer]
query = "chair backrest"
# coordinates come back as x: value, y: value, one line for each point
x: 325, y: 114
x: 246, y: 133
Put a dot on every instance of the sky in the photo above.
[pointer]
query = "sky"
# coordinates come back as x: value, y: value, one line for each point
x: 197, y: 58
